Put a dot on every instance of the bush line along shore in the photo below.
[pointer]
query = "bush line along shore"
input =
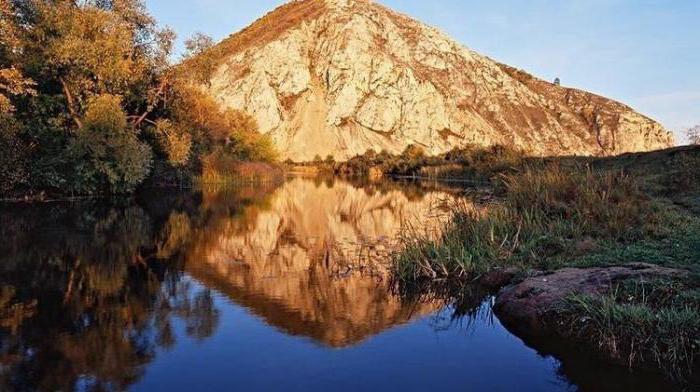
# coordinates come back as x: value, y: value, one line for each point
x: 601, y: 251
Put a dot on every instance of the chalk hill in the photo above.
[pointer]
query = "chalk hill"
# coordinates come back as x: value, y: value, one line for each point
x: 338, y: 77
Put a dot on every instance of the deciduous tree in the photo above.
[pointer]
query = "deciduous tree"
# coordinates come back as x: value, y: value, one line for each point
x: 108, y: 154
x: 83, y: 49
x: 694, y: 134
x: 197, y: 44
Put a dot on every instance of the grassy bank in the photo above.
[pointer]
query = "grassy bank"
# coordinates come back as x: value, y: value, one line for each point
x: 654, y: 323
x: 546, y: 219
x: 580, y: 213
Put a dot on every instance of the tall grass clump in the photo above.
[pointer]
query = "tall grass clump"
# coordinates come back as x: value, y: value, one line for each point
x: 466, y: 246
x: 219, y: 168
x: 586, y: 202
x: 544, y: 215
x: 654, y: 324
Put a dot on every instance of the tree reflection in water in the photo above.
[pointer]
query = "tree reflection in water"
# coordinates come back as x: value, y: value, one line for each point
x: 88, y: 294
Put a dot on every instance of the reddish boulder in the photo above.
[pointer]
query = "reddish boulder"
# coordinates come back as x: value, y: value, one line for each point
x: 529, y: 308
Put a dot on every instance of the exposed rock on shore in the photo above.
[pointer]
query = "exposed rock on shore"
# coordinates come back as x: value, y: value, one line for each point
x: 529, y: 308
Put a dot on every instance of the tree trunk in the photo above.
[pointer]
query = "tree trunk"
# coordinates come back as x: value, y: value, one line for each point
x: 140, y: 119
x: 71, y: 103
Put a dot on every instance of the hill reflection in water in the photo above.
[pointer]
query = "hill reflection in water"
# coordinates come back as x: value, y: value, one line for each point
x: 90, y: 291
x: 273, y: 287
x: 314, y: 260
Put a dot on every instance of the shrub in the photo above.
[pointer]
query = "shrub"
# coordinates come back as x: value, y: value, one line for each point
x: 13, y: 169
x: 220, y: 167
x: 479, y: 163
x: 175, y: 142
x: 412, y: 152
x: 107, y: 154
x: 213, y: 127
x: 252, y: 146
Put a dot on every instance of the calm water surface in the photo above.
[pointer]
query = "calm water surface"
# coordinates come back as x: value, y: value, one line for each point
x: 280, y: 287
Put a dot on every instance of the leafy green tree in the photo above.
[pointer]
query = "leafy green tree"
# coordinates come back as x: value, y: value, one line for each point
x: 13, y: 156
x: 13, y: 84
x: 108, y: 155
x: 58, y: 56
x: 12, y: 81
x: 63, y: 63
x: 83, y: 49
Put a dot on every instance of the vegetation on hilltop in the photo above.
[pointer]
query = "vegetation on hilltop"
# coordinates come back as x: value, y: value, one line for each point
x: 694, y: 134
x: 89, y: 103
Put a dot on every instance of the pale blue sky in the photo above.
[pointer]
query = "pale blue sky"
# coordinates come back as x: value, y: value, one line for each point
x: 645, y: 53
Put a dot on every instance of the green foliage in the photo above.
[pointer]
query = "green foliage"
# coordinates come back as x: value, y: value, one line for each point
x: 13, y: 84
x: 13, y: 157
x: 548, y: 218
x: 679, y: 246
x: 212, y: 127
x: 555, y: 216
x: 59, y: 57
x: 61, y: 61
x: 599, y: 204
x: 252, y: 146
x: 94, y: 47
x: 478, y: 163
x: 108, y: 155
x: 641, y: 323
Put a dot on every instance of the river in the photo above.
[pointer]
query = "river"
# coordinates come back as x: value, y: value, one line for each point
x: 270, y: 287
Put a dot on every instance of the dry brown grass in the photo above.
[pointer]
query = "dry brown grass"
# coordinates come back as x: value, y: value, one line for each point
x: 222, y: 169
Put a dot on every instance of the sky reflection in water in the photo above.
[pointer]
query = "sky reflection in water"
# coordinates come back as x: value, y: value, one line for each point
x: 281, y: 287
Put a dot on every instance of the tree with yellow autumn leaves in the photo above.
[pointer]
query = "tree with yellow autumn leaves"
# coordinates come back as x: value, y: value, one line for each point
x: 89, y: 100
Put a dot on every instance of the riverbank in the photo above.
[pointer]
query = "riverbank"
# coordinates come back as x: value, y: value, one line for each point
x: 214, y: 173
x: 564, y: 230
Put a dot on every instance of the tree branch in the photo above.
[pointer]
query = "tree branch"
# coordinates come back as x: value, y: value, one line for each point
x: 71, y: 103
x: 140, y: 119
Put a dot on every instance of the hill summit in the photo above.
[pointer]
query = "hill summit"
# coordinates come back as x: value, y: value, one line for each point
x: 339, y: 77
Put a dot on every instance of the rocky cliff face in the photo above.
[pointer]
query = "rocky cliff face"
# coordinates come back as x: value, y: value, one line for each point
x: 338, y: 77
